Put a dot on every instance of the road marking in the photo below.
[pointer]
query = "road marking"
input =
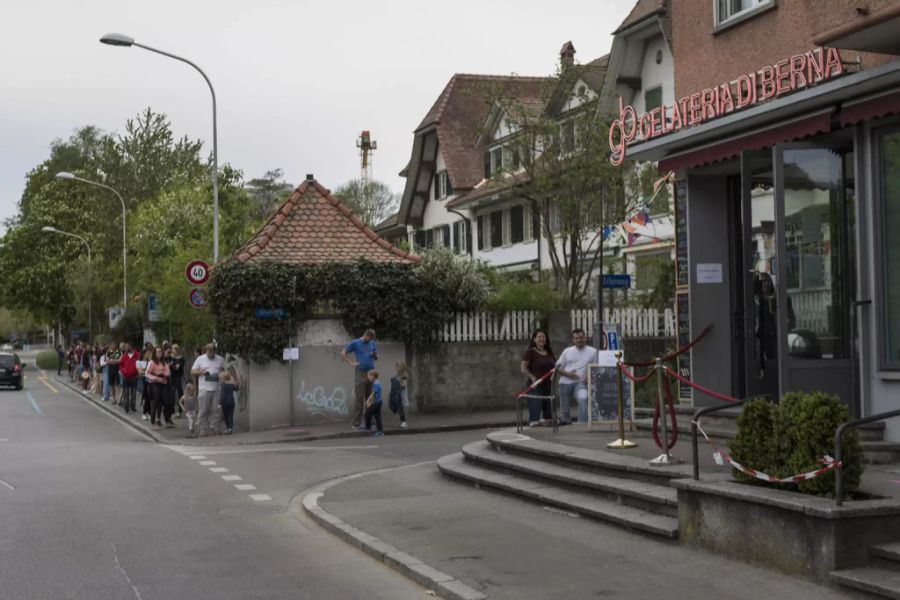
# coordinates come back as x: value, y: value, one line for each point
x: 231, y: 477
x: 245, y: 487
x: 47, y: 383
x: 37, y: 408
x: 207, y: 463
x: 137, y: 594
x: 218, y: 469
x: 7, y: 485
x: 278, y: 448
x: 261, y: 497
x: 198, y: 457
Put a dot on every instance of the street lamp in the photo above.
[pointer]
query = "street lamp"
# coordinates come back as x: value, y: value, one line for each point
x: 118, y: 39
x: 49, y: 229
x: 69, y: 176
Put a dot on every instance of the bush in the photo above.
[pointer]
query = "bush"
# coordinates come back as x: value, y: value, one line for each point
x: 47, y: 360
x: 523, y: 295
x: 790, y: 438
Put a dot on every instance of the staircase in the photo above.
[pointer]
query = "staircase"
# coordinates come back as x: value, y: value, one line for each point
x: 722, y: 425
x: 622, y: 490
x: 881, y: 578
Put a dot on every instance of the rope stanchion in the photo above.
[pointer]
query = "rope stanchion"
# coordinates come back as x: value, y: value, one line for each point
x: 678, y: 352
x: 700, y: 388
x: 827, y: 462
x: 670, y: 403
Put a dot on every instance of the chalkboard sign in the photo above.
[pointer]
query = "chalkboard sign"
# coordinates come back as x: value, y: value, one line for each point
x: 682, y: 268
x: 683, y: 307
x: 604, y: 395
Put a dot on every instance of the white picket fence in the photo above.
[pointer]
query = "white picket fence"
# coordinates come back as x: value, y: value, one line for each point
x: 633, y: 322
x: 487, y: 327
x: 518, y: 325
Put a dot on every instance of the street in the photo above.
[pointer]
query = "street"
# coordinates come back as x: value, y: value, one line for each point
x: 91, y: 509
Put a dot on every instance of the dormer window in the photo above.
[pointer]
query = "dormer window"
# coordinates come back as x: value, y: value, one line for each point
x: 442, y: 185
x: 493, y: 161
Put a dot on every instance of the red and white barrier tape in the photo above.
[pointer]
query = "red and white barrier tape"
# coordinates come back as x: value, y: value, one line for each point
x: 721, y: 457
x: 536, y: 383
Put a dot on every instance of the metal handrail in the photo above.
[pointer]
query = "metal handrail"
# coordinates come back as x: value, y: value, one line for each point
x: 694, y: 438
x: 839, y: 454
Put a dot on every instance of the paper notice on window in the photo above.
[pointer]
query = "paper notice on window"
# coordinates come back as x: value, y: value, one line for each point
x: 709, y: 272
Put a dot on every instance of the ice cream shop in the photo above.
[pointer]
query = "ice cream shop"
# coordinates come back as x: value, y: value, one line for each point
x: 784, y: 147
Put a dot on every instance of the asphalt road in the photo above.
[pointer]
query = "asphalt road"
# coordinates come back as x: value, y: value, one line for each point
x: 91, y: 509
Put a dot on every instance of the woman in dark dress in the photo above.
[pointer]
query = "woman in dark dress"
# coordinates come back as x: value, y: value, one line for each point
x: 537, y: 362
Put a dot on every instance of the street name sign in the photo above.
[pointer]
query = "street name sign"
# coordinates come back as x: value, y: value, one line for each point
x: 616, y: 281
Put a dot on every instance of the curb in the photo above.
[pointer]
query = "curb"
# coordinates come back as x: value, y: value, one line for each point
x: 292, y: 440
x: 108, y: 408
x: 442, y: 584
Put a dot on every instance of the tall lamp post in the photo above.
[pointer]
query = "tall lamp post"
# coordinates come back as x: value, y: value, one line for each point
x: 49, y: 229
x: 69, y: 176
x: 117, y: 39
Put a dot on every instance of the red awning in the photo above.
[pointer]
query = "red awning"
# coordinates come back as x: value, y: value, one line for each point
x: 871, y: 108
x: 783, y: 132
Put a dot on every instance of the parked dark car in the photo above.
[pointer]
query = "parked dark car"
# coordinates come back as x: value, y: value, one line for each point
x: 11, y: 370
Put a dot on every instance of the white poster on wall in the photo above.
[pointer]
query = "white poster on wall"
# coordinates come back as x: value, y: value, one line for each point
x: 709, y: 272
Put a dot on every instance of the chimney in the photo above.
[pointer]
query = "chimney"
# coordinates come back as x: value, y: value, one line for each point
x: 567, y: 56
x: 310, y: 177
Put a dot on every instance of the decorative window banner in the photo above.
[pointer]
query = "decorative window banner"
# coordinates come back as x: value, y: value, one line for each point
x: 603, y: 394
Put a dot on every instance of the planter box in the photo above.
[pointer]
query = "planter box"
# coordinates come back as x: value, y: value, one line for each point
x: 790, y: 532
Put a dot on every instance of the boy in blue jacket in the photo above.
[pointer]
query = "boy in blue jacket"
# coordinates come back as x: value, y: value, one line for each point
x: 373, y: 403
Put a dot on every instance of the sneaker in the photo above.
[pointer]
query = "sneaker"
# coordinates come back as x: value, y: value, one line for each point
x: 229, y: 431
x: 534, y: 423
x: 145, y: 418
x: 378, y: 434
x: 357, y: 428
x: 403, y: 425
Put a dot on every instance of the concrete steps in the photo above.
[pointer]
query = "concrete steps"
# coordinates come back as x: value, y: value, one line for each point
x: 881, y: 578
x: 624, y: 491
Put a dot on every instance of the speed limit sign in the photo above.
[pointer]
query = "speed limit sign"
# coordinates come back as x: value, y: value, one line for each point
x: 197, y: 272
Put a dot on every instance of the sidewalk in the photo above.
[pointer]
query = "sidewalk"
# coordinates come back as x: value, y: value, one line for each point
x: 305, y: 433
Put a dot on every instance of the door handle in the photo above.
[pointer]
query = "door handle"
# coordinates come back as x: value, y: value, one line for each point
x: 862, y: 303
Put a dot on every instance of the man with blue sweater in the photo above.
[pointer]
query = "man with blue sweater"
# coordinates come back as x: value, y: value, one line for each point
x: 364, y: 354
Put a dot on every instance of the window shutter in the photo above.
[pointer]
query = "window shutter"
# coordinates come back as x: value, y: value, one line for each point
x: 437, y: 185
x: 481, y: 237
x: 445, y: 234
x: 449, y: 190
x: 517, y: 224
x: 487, y: 165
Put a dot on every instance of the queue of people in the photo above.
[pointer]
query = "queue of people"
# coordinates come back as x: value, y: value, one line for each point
x: 157, y: 375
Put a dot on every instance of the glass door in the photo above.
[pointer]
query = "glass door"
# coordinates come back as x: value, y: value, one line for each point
x: 811, y: 299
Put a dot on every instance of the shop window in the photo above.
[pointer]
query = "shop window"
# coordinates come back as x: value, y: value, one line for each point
x: 732, y: 11
x: 889, y: 187
x: 496, y: 229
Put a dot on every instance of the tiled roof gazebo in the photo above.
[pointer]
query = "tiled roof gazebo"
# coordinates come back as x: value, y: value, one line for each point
x: 312, y: 227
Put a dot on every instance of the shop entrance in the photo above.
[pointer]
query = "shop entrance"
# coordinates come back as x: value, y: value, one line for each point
x: 793, y: 233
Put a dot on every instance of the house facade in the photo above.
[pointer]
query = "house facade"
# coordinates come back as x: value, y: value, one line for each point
x: 783, y: 133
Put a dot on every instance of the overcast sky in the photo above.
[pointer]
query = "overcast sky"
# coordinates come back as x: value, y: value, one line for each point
x: 296, y: 80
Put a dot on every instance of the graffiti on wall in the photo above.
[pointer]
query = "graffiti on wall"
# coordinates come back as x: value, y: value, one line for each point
x: 318, y: 403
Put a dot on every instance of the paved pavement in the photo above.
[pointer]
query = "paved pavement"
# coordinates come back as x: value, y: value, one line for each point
x: 318, y: 431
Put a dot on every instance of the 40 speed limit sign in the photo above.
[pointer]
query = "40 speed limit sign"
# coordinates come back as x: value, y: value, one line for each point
x: 197, y: 272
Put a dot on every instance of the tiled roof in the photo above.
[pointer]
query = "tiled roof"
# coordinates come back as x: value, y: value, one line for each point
x: 642, y: 9
x: 313, y: 227
x: 459, y: 113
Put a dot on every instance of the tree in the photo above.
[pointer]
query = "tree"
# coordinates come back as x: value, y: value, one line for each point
x: 268, y: 191
x: 560, y: 166
x: 372, y: 202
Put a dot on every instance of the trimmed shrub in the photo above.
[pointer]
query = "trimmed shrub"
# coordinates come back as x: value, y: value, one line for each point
x: 792, y: 437
x: 524, y: 295
x: 47, y: 360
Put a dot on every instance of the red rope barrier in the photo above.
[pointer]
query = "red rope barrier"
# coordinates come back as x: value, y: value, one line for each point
x: 677, y: 353
x: 700, y: 388
x: 656, y: 415
x: 636, y: 378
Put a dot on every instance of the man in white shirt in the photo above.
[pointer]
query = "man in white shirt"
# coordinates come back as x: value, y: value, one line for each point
x: 572, y: 369
x: 206, y: 369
